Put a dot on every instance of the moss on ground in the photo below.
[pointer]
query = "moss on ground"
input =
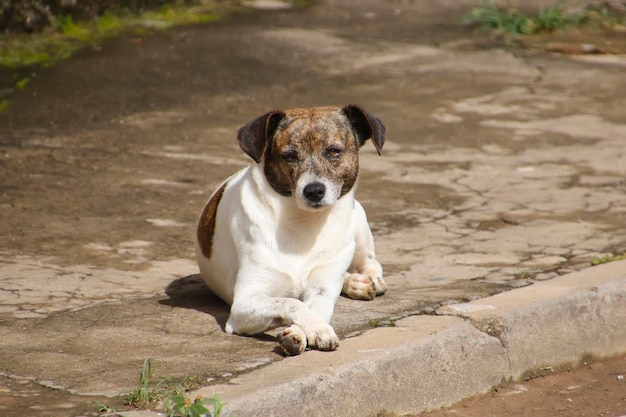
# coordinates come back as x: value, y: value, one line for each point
x: 45, y: 48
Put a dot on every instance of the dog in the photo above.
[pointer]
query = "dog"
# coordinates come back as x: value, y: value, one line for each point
x: 280, y: 240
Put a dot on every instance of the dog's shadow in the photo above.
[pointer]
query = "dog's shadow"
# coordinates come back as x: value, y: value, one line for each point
x: 191, y: 292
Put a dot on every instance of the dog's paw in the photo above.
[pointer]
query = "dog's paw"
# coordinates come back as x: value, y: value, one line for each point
x: 293, y: 340
x: 379, y: 285
x: 363, y: 286
x: 322, y: 337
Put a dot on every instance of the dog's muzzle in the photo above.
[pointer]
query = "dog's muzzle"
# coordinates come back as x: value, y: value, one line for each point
x: 314, y: 192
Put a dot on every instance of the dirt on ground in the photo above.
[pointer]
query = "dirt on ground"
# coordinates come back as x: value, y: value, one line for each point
x: 581, y: 42
x: 596, y: 389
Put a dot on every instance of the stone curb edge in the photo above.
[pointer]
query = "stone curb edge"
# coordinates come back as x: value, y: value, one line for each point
x: 429, y: 362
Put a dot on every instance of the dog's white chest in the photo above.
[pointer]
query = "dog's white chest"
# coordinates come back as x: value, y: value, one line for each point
x: 282, y: 246
x: 292, y: 274
x: 292, y: 246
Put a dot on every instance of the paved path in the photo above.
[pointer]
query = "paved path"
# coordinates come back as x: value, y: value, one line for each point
x: 503, y: 168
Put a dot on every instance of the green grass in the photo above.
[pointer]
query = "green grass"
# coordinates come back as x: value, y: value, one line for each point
x: 150, y: 390
x: 104, y: 408
x: 508, y: 19
x: 21, y: 84
x: 607, y: 258
x: 173, y: 16
x: 376, y: 323
x: 527, y: 275
x: 146, y: 392
x: 69, y: 36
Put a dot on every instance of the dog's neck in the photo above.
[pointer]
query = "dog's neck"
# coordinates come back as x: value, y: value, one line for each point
x: 299, y: 230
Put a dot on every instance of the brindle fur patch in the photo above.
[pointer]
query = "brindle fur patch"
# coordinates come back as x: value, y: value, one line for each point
x: 206, y: 225
x: 309, y: 134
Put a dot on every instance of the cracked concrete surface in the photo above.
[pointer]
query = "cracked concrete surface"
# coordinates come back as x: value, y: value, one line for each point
x: 503, y: 168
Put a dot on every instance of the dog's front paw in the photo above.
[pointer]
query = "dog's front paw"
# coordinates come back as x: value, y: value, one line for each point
x: 292, y: 340
x: 322, y: 337
x: 363, y: 286
x: 379, y: 285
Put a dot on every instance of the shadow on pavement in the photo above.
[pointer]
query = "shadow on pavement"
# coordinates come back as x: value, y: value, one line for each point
x: 190, y: 292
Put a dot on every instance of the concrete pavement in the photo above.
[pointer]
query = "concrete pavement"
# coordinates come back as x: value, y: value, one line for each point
x: 428, y: 362
x: 504, y: 168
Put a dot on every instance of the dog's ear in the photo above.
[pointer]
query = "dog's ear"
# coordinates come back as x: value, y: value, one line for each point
x: 254, y: 136
x: 366, y: 126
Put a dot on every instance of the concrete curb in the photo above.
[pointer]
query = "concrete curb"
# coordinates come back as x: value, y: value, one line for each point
x: 558, y: 321
x: 428, y: 362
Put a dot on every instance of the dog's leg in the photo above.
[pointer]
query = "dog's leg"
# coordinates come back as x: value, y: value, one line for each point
x: 364, y: 279
x: 251, y: 314
x: 323, y: 289
x: 320, y: 301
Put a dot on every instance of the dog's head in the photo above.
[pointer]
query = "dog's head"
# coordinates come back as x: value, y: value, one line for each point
x: 311, y: 154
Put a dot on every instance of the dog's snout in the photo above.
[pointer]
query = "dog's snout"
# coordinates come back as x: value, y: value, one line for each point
x: 314, y: 192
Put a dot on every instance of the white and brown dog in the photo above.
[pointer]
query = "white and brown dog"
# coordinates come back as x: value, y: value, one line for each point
x: 281, y: 239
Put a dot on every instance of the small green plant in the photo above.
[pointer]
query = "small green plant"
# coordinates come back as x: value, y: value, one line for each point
x: 180, y: 386
x: 21, y: 84
x: 527, y: 275
x: 152, y: 389
x: 181, y: 406
x: 553, y: 18
x: 145, y: 392
x: 607, y: 258
x: 376, y: 323
x: 103, y: 408
x: 510, y: 20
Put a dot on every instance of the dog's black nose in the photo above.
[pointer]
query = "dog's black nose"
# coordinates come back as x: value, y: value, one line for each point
x: 314, y: 192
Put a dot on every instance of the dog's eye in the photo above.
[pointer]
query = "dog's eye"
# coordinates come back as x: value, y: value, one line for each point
x: 290, y: 156
x: 334, y: 152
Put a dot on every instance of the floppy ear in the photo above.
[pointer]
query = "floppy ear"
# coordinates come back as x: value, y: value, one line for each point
x: 253, y: 137
x: 366, y: 126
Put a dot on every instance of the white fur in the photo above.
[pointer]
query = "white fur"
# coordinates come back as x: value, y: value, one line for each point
x: 279, y: 264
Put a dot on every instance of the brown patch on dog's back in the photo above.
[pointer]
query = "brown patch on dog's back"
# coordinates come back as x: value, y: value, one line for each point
x: 206, y: 224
